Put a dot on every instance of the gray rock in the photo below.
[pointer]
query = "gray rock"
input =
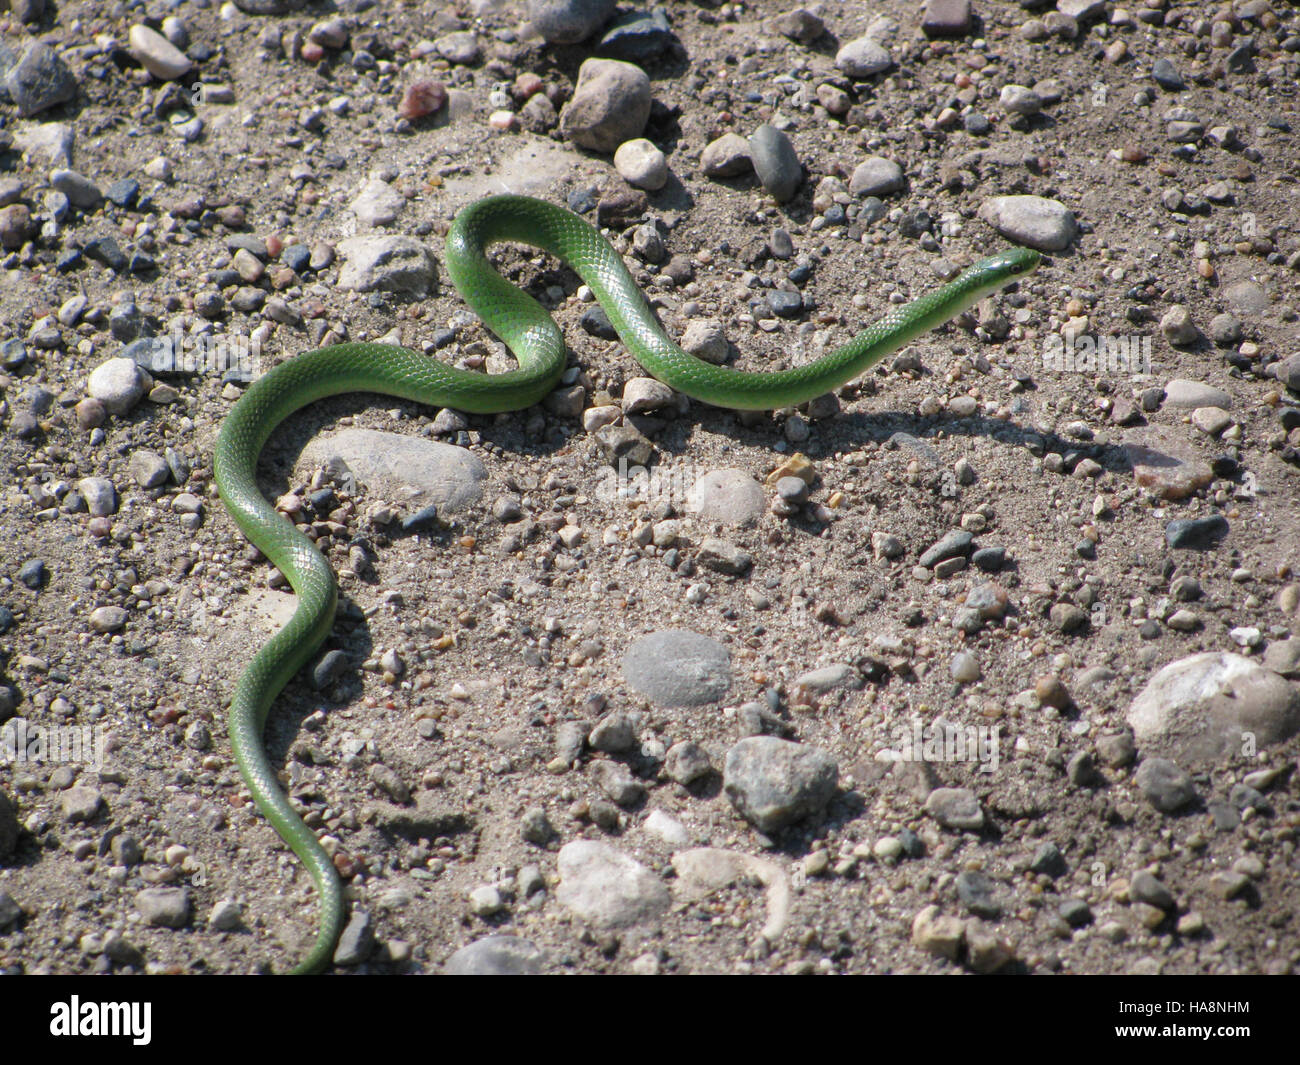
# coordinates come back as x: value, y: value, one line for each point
x: 568, y: 21
x: 1189, y: 395
x: 772, y: 782
x: 775, y: 162
x: 1164, y: 784
x: 387, y: 264
x: 728, y: 497
x: 610, y: 105
x: 957, y: 808
x: 727, y: 156
x: 607, y: 888
x: 81, y: 803
x: 108, y: 618
x: 10, y: 911
x: 645, y: 393
x: 535, y: 827
x: 376, y: 204
x: 40, y: 80
x: 8, y: 827
x: 1214, y: 704
x: 613, y: 734
x: 723, y: 557
x: 1019, y: 100
x: 118, y: 384
x: 955, y: 544
x: 641, y: 164
x: 1283, y: 656
x: 79, y: 189
x: 410, y: 470
x: 226, y: 916
x: 706, y: 338
x: 1033, y: 220
x: 876, y: 176
x: 687, y: 762
x: 149, y: 469
x: 678, y: 668
x: 1203, y: 532
x: 1145, y: 887
x: 157, y: 54
x: 51, y: 142
x: 501, y: 955
x: 863, y: 57
x: 977, y: 892
x: 164, y: 907
x: 357, y: 942
x: 461, y: 48
x: 1178, y: 328
x: 637, y: 37
x: 616, y: 781
x: 829, y: 678
x: 100, y: 496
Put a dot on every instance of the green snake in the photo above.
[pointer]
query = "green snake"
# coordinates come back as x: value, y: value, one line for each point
x: 531, y: 334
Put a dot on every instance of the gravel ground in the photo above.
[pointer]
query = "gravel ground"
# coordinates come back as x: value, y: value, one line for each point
x: 987, y: 662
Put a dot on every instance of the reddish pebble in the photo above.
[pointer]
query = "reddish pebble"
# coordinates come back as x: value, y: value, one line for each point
x: 90, y: 413
x: 502, y: 120
x: 526, y: 85
x: 422, y: 98
x: 312, y: 52
x: 274, y: 245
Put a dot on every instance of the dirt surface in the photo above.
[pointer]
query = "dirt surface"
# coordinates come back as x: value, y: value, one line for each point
x: 427, y: 772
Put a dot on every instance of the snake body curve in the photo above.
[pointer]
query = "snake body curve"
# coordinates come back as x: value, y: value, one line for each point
x: 531, y: 334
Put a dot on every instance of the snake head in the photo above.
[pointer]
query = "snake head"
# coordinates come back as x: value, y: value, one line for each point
x: 1013, y: 263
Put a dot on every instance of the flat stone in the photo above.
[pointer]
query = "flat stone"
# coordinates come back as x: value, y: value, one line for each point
x: 946, y: 18
x: 1283, y: 657
x: 607, y: 888
x: 1047, y: 225
x: 1204, y: 532
x: 953, y: 545
x: 956, y: 808
x: 1189, y: 395
x: 500, y: 955
x: 1163, y: 464
x: 678, y: 668
x: 164, y: 907
x: 637, y: 37
x: 410, y: 470
x: 387, y: 263
x: 729, y: 497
